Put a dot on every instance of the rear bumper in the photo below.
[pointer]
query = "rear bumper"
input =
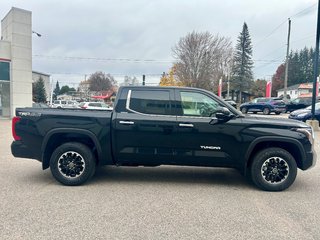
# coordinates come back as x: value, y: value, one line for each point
x: 18, y: 149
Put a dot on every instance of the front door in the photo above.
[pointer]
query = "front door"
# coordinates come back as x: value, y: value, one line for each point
x: 202, y: 143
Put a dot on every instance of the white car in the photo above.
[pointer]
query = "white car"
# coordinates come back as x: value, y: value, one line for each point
x: 64, y: 104
x: 95, y: 106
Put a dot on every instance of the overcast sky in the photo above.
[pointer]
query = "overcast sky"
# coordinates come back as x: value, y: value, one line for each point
x: 135, y: 37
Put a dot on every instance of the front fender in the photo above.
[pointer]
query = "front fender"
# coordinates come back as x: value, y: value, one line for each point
x: 292, y: 145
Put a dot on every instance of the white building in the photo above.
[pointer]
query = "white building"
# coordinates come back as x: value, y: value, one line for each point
x: 16, y: 75
x: 15, y: 61
x: 297, y: 90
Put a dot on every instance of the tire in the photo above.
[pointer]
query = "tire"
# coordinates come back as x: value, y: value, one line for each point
x: 72, y: 164
x: 273, y: 169
x: 244, y: 110
x: 277, y: 113
x: 266, y: 111
x: 254, y: 112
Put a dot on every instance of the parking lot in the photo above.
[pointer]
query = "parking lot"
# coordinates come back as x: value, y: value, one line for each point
x: 152, y: 203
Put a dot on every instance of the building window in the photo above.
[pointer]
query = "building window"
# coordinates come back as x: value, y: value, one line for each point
x: 5, y: 71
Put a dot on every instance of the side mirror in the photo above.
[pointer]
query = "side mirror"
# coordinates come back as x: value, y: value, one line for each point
x: 221, y: 115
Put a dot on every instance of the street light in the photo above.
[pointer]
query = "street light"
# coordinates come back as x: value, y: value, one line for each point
x: 38, y: 34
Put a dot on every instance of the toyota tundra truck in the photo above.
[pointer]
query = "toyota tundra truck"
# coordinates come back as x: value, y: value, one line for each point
x: 152, y: 126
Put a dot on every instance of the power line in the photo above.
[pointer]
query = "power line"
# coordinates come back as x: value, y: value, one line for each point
x: 309, y: 36
x: 272, y: 32
x: 306, y: 10
x: 131, y: 60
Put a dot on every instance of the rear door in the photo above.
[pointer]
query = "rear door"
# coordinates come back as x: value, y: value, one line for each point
x: 143, y: 126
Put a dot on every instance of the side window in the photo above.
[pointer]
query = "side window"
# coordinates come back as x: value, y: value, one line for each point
x: 150, y: 102
x: 94, y: 105
x: 197, y: 104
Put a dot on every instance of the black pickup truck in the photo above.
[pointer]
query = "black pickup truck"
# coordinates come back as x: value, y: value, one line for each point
x: 152, y: 126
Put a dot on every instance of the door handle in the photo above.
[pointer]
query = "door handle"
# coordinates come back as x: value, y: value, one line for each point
x: 186, y: 125
x: 126, y: 122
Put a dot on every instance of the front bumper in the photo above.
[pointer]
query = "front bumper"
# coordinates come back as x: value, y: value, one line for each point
x: 310, y: 160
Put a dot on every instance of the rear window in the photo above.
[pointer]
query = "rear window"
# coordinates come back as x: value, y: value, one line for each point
x: 150, y: 102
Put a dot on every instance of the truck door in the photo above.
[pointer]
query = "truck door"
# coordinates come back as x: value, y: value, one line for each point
x: 143, y: 128
x: 198, y: 141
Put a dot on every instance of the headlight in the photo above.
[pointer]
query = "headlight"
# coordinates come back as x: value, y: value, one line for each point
x: 308, y: 132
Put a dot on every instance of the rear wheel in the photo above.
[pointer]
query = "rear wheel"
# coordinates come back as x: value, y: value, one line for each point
x: 278, y: 113
x: 266, y: 111
x: 72, y: 164
x: 273, y: 169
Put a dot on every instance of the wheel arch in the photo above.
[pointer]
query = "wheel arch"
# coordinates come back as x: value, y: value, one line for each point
x: 57, y: 137
x: 293, y: 146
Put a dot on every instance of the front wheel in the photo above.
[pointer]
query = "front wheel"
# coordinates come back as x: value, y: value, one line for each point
x: 273, y: 169
x: 72, y: 164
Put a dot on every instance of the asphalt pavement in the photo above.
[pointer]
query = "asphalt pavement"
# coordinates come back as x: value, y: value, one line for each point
x: 152, y: 203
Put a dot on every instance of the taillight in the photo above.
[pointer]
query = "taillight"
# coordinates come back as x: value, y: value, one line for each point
x: 84, y: 107
x: 14, y: 134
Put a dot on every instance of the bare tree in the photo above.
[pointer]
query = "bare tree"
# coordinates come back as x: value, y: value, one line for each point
x: 100, y: 81
x: 202, y: 59
x: 83, y: 89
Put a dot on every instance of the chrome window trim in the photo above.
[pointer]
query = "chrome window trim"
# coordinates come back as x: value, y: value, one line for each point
x: 156, y: 115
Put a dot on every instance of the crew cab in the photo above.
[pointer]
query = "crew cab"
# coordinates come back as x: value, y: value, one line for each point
x: 152, y: 126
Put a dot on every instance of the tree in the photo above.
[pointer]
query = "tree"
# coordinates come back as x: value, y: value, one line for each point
x: 130, y: 81
x: 242, y: 75
x: 100, y: 81
x: 200, y: 59
x: 56, y: 91
x: 278, y: 79
x: 39, y: 91
x: 66, y: 89
x: 300, y: 67
x: 169, y: 79
x: 258, y: 87
x: 84, y: 89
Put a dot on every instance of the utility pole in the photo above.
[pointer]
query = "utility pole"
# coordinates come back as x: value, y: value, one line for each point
x: 287, y: 63
x: 143, y: 80
x: 315, y: 123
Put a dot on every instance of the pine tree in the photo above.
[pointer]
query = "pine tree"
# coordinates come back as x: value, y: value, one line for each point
x: 39, y: 91
x: 56, y: 91
x: 242, y: 75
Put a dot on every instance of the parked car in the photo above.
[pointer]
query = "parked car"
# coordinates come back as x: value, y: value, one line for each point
x: 231, y: 102
x: 95, y: 106
x: 265, y: 105
x: 65, y: 104
x: 299, y: 103
x: 305, y: 114
x: 152, y: 126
